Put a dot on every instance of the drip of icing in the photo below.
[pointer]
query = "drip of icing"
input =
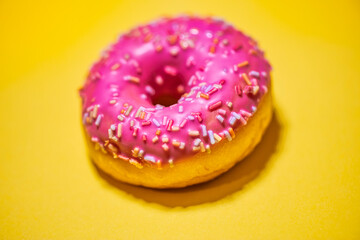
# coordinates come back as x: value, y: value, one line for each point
x: 213, y: 74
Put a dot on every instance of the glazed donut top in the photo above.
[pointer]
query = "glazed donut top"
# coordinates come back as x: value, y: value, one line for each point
x: 210, y: 77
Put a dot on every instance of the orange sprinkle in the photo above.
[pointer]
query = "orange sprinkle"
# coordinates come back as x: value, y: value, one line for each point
x: 115, y: 66
x: 232, y: 133
x: 212, y: 49
x: 158, y: 48
x: 158, y: 132
x: 203, y: 95
x: 142, y: 115
x: 243, y: 64
x: 253, y: 52
x: 175, y: 143
x: 246, y: 79
x: 147, y: 38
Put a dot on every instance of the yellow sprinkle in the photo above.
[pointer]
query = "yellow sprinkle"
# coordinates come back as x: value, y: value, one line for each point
x: 155, y: 139
x: 135, y: 152
x: 195, y: 149
x: 217, y: 137
x: 94, y: 112
x: 158, y: 132
x: 112, y: 101
x: 119, y: 130
x: 135, y: 163
x: 202, y: 147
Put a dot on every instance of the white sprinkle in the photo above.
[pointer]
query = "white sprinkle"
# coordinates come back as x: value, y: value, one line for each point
x: 149, y: 158
x: 264, y: 74
x: 220, y: 118
x: 194, y: 31
x: 164, y: 121
x: 156, y: 122
x: 128, y: 110
x: 98, y: 120
x: 229, y: 104
x: 227, y: 135
x: 110, y: 132
x: 237, y: 116
x: 150, y: 90
x: 208, y: 88
x: 203, y: 128
x: 211, y: 136
x: 253, y: 108
x: 113, y: 127
x: 191, y: 118
x: 245, y: 113
x: 181, y: 109
x: 254, y: 74
x: 141, y: 153
x: 182, y: 145
x: 197, y: 142
x: 120, y: 117
x: 138, y: 112
x: 232, y: 120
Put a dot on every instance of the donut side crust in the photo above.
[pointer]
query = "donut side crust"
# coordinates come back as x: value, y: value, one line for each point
x: 198, y: 168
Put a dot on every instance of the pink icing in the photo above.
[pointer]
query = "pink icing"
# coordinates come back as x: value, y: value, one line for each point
x: 215, y: 73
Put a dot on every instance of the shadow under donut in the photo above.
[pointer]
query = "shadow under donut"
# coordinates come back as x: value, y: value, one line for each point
x: 233, y: 180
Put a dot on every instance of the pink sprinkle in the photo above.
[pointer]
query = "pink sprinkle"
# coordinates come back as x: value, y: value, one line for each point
x: 190, y: 61
x: 135, y: 132
x: 238, y: 90
x: 222, y: 112
x: 169, y: 125
x: 213, y: 90
x: 170, y: 70
x: 214, y: 105
x: 144, y: 137
x: 182, y: 124
x: 145, y: 123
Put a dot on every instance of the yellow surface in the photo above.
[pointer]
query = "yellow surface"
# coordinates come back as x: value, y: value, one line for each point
x: 302, y: 182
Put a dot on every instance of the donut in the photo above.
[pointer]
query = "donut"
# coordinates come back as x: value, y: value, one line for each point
x: 176, y: 102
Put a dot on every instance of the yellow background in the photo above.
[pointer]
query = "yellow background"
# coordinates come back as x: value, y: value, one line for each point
x: 302, y: 182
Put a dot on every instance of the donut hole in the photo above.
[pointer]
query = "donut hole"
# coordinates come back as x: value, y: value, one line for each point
x: 165, y: 89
